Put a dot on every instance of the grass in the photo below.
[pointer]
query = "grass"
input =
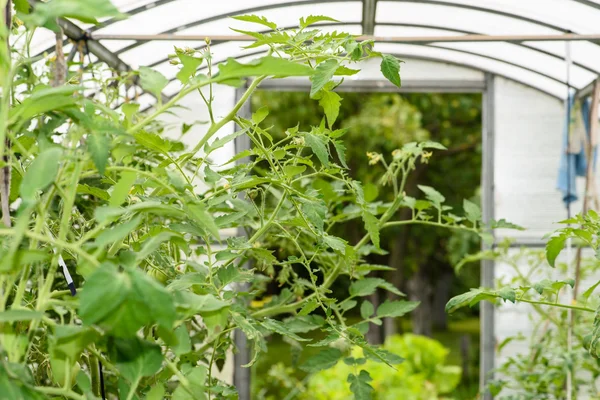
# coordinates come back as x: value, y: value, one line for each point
x: 279, y: 352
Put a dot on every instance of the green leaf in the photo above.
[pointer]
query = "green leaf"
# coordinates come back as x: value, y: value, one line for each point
x: 84, y: 11
x: 335, y: 243
x: 20, y: 315
x: 152, y: 81
x: 121, y: 189
x: 504, y: 224
x: 324, y: 359
x: 322, y: 74
x: 156, y: 393
x: 21, y: 6
x: 135, y: 358
x: 189, y: 65
x: 43, y: 100
x: 292, y: 170
x: 367, y: 309
x: 360, y: 387
x: 554, y: 247
x: 508, y: 293
x: 268, y: 65
x: 330, y: 101
x: 390, y: 68
x: 259, y: 115
x: 470, y: 298
x: 203, y: 218
x: 123, y: 302
x: 40, y: 173
x: 586, y: 295
x: 152, y: 141
x: 99, y: 149
x: 318, y: 146
x: 366, y: 286
x: 257, y: 20
x: 341, y: 152
x: 432, y: 195
x: 117, y: 232
x: 372, y: 226
x: 280, y: 328
x: 313, y: 19
x: 472, y: 211
x: 396, y: 308
x: 184, y: 345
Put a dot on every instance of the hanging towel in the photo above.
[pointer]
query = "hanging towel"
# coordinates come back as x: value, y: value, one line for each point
x: 573, y: 160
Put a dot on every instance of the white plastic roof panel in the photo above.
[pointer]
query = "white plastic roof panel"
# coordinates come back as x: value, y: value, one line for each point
x: 540, y: 65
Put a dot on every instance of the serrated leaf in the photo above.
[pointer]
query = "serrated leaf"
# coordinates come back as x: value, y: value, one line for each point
x: 292, y: 170
x: 469, y: 299
x: 330, y: 101
x: 360, y: 387
x: 152, y: 81
x: 366, y: 286
x: 268, y: 65
x: 257, y: 20
x: 554, y: 247
x: 204, y: 219
x: 318, y: 146
x: 189, y: 65
x: 390, y: 68
x: 86, y: 11
x: 325, y: 359
x: 432, y: 195
x: 121, y: 189
x: 372, y: 226
x: 259, y: 115
x: 99, y: 149
x: 335, y: 243
x: 472, y: 211
x: 40, y: 173
x: 504, y: 224
x: 323, y: 74
x: 508, y: 293
x: 280, y: 328
x: 396, y: 308
x: 313, y: 19
x: 117, y: 232
x: 341, y: 152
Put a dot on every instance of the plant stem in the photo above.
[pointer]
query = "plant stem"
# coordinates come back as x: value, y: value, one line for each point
x: 133, y: 388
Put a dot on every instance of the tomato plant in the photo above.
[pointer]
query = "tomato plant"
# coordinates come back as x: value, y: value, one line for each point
x: 99, y: 191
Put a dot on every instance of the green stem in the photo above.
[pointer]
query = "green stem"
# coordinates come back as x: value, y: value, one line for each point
x: 133, y: 388
x: 168, y: 105
x: 548, y: 303
x: 214, y: 128
x: 59, y: 392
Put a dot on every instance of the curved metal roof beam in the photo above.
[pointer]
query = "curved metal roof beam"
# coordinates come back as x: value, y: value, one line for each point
x: 288, y: 4
x: 541, y: 51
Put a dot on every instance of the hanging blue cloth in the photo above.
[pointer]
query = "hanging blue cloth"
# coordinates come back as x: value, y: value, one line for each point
x: 573, y: 163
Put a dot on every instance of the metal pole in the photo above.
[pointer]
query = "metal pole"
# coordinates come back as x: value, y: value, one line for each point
x: 241, y: 375
x: 392, y: 39
x: 487, y: 347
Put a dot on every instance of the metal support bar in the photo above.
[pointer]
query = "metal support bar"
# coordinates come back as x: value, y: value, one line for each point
x: 241, y: 375
x: 368, y: 16
x: 391, y: 39
x: 487, y: 347
x: 380, y: 85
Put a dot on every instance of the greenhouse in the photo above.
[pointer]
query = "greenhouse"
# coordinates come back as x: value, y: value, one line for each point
x: 299, y: 199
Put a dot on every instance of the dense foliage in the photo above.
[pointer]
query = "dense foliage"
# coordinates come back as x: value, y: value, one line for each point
x: 103, y: 190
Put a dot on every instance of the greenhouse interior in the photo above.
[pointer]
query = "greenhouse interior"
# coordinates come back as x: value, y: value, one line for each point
x: 299, y: 199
